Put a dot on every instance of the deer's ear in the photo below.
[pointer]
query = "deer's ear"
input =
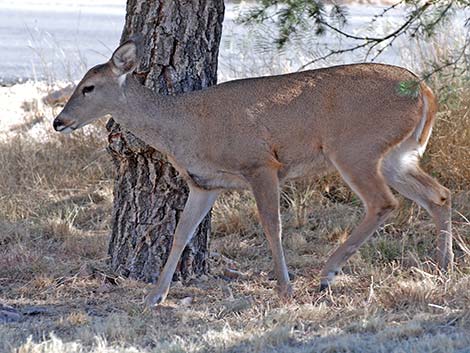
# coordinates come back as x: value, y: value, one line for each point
x: 125, y: 59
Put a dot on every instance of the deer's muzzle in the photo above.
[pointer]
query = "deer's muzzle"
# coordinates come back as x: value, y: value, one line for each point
x: 64, y: 125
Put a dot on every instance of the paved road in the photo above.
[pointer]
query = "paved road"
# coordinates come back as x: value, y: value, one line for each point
x: 55, y: 39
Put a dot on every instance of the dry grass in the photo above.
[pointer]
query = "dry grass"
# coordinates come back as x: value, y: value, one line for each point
x: 55, y: 198
x: 448, y: 156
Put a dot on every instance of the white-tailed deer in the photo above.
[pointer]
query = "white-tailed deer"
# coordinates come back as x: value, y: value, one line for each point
x: 255, y: 133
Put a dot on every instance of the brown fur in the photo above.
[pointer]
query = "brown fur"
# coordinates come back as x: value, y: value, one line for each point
x: 431, y: 114
x: 255, y: 133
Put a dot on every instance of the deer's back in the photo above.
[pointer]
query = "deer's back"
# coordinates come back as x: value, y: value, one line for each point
x: 296, y: 119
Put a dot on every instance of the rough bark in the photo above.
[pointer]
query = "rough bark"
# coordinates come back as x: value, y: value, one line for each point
x: 180, y: 54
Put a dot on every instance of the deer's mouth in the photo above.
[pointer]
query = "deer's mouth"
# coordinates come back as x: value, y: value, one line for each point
x: 65, y: 125
x: 67, y: 129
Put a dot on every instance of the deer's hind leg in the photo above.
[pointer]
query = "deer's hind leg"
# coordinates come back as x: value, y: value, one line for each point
x: 366, y: 180
x: 402, y: 172
x: 265, y: 186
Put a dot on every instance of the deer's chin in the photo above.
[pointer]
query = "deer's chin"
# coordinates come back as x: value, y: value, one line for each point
x: 67, y: 129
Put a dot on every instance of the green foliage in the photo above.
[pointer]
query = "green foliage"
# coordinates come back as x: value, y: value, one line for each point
x: 421, y: 20
x: 291, y: 16
x: 429, y: 21
x: 408, y: 88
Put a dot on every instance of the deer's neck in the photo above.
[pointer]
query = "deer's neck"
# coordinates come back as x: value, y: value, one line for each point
x: 156, y: 119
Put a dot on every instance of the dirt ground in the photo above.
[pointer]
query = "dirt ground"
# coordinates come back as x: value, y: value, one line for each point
x: 58, y: 295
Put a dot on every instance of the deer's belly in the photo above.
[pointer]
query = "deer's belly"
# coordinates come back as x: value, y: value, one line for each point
x: 207, y: 177
x: 313, y: 165
x: 217, y: 180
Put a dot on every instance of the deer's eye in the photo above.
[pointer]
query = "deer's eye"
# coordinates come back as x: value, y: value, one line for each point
x: 87, y: 89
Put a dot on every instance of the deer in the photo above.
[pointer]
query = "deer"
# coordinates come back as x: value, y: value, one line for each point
x: 256, y: 133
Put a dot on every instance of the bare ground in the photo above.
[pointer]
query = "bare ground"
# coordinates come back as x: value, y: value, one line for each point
x: 55, y: 200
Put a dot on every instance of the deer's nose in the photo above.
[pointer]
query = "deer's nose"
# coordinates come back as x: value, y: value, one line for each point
x: 63, y: 124
x: 57, y: 124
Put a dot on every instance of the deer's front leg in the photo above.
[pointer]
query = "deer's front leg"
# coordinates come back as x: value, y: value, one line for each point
x: 198, y: 204
x: 265, y: 187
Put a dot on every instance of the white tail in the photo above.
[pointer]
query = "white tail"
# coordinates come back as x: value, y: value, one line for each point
x: 255, y: 133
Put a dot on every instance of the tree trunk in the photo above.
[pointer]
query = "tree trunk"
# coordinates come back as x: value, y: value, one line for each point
x: 180, y: 54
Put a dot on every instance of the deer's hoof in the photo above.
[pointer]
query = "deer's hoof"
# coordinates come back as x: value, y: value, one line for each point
x: 286, y: 292
x: 154, y: 300
x: 327, y: 280
x: 323, y: 286
x: 446, y: 262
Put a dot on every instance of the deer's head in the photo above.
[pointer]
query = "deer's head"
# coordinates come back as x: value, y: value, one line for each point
x: 98, y: 91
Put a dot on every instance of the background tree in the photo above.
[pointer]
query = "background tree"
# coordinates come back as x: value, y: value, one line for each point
x: 180, y: 54
x: 421, y: 20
